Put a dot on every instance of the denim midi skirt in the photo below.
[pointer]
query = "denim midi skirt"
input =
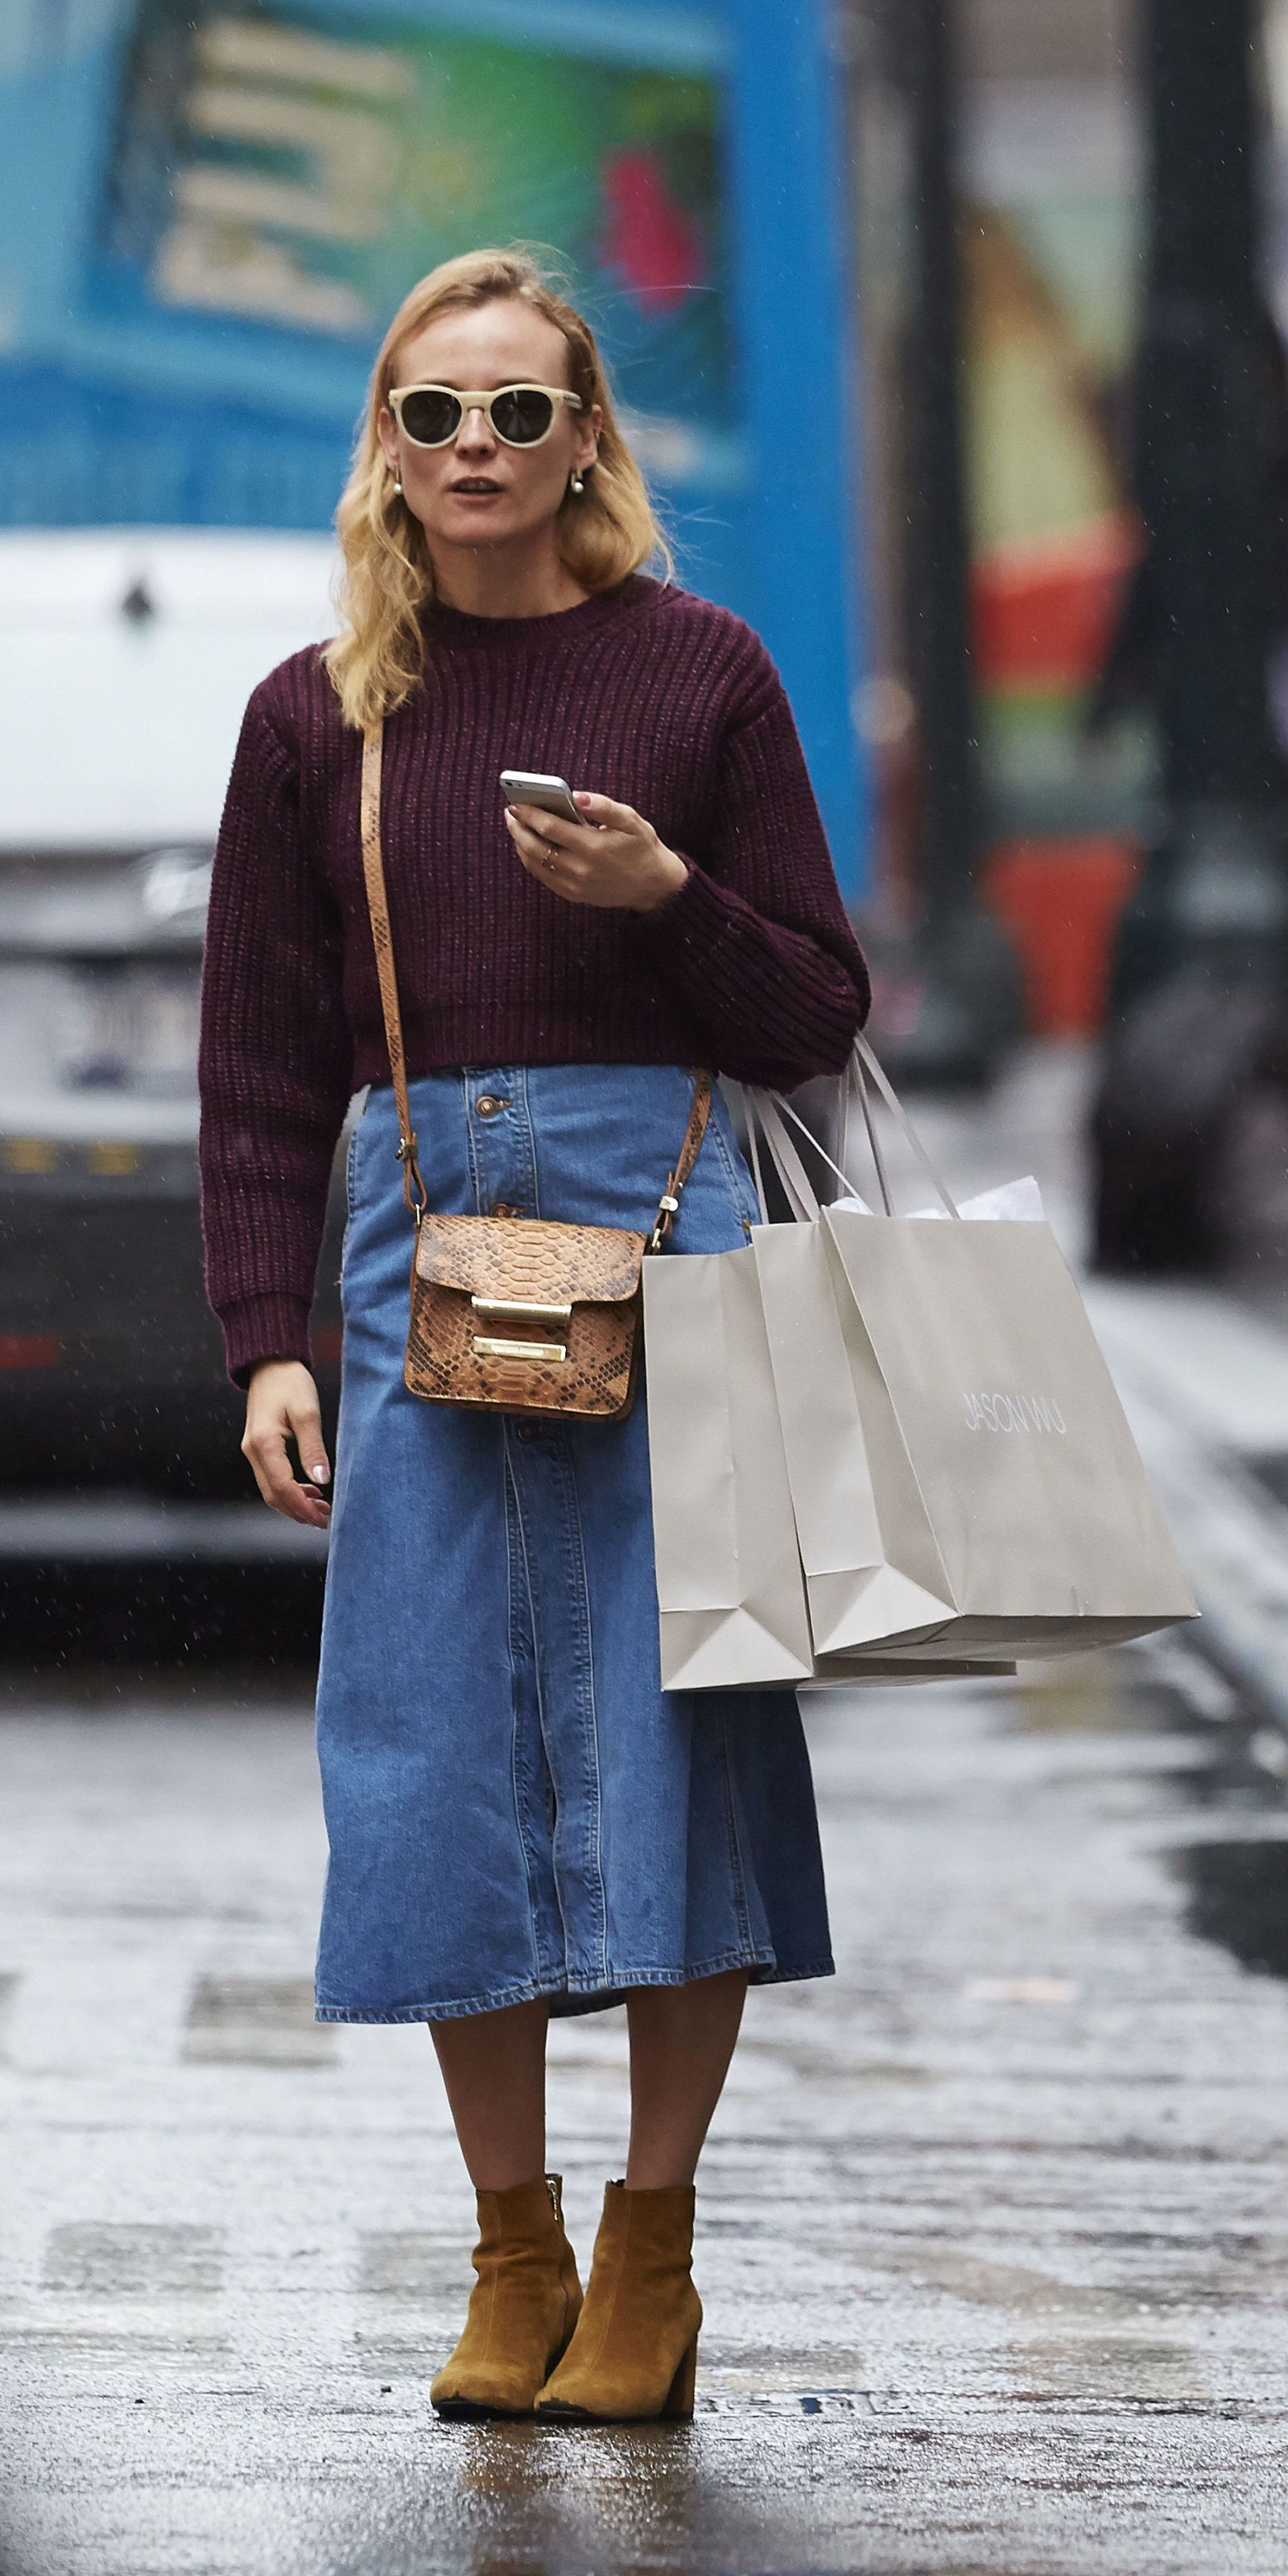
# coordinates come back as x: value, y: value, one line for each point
x: 514, y: 1805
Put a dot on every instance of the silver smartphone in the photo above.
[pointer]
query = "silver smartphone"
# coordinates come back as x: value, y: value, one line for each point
x: 534, y: 787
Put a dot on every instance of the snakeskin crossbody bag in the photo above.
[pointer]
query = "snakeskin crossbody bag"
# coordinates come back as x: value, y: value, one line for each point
x: 517, y: 1314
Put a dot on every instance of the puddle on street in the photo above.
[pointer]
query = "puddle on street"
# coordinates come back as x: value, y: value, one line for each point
x: 1238, y: 1895
x: 1237, y: 1885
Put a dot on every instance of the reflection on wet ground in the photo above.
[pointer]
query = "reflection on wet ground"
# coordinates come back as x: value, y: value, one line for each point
x: 1238, y: 1886
x: 992, y: 2235
x: 1239, y: 1896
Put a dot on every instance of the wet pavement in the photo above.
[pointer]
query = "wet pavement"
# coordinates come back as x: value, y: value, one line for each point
x: 992, y: 2238
x: 993, y: 2235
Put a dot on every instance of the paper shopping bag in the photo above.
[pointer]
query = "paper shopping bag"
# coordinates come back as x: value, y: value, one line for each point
x: 875, y: 1582
x: 731, y: 1594
x: 872, y: 1567
x: 978, y: 1382
x: 904, y: 1352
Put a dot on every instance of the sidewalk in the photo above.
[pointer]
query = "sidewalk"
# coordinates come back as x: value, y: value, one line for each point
x: 993, y: 2239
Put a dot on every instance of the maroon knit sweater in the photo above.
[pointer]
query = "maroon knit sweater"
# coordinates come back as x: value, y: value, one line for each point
x: 643, y: 692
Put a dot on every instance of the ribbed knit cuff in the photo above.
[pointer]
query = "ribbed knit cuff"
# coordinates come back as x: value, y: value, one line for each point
x: 777, y: 1005
x: 695, y: 916
x: 272, y: 1327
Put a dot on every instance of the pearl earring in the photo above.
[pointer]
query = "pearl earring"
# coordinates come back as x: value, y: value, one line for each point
x: 578, y: 484
x: 398, y: 487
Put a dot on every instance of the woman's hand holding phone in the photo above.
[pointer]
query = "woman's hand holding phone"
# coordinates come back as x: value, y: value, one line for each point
x: 612, y: 857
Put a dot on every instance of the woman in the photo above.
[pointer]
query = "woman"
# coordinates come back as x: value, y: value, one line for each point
x: 520, y: 1820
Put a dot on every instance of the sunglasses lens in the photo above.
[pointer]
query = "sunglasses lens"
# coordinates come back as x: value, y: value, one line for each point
x: 520, y: 415
x: 430, y: 417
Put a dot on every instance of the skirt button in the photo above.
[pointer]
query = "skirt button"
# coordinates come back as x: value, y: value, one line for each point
x: 488, y: 1106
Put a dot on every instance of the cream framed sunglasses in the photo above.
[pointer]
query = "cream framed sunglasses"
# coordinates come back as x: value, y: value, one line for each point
x: 519, y: 415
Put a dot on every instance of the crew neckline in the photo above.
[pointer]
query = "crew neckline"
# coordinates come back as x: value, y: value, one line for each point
x: 466, y: 625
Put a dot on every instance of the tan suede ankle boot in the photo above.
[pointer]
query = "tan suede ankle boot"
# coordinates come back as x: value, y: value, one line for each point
x: 523, y: 2306
x: 635, y: 2348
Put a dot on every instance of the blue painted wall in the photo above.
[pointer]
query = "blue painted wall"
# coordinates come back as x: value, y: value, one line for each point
x: 798, y: 552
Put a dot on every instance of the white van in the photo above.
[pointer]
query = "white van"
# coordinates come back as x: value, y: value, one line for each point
x: 126, y: 658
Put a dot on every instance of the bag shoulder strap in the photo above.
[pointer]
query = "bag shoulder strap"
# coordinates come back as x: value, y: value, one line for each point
x: 373, y: 871
x: 668, y: 1204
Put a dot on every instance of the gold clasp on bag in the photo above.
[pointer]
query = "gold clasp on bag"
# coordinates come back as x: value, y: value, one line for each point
x: 519, y: 1310
x: 487, y: 1349
x: 516, y: 1310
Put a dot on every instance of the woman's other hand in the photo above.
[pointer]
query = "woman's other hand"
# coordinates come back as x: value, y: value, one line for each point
x: 613, y: 858
x: 281, y: 1404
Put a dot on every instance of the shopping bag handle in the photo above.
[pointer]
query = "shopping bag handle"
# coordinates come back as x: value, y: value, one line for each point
x: 853, y: 1080
x: 762, y: 1109
x: 864, y: 1067
x: 769, y: 1110
x: 753, y: 1147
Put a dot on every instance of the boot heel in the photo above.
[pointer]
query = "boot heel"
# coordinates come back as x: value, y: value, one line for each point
x: 679, y: 2396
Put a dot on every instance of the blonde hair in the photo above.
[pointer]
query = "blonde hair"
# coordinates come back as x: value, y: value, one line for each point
x: 610, y: 530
